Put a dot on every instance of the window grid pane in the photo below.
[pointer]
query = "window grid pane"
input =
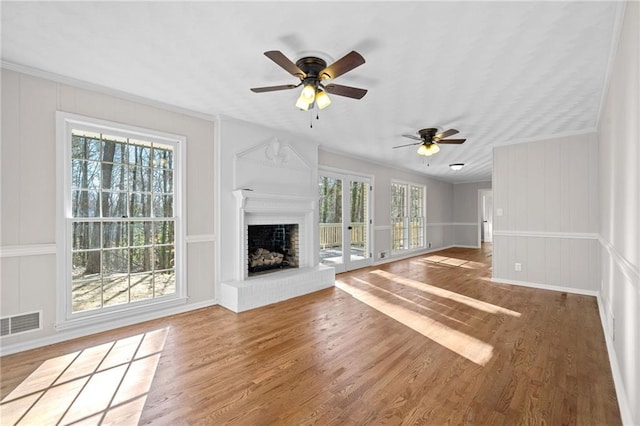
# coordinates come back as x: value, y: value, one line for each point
x: 117, y: 262
x: 407, y: 217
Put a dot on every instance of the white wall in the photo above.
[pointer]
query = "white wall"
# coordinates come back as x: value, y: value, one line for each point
x: 466, y: 212
x: 28, y: 196
x: 547, y: 192
x: 619, y: 229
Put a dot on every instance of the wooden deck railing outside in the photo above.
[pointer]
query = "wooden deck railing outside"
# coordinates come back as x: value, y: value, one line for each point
x: 331, y: 234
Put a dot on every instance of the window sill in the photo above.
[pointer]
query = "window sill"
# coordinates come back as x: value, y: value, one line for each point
x: 120, y: 317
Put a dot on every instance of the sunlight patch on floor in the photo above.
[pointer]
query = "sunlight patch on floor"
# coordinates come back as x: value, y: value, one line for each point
x: 452, y: 261
x: 441, y: 292
x: 464, y: 345
x: 103, y: 384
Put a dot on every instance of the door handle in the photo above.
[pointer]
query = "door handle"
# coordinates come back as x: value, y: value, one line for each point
x: 349, y: 228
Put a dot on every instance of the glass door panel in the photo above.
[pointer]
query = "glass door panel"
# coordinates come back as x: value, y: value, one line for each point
x: 358, y: 226
x: 331, y: 224
x: 344, y: 233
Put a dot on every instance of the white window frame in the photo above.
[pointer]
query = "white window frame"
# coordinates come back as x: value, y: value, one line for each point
x: 407, y: 218
x: 65, y: 317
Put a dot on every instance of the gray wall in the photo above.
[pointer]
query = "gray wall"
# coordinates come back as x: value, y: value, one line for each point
x: 28, y: 160
x: 466, y: 213
x: 619, y: 210
x: 547, y: 194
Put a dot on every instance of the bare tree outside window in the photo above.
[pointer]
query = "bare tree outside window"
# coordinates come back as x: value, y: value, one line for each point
x: 122, y: 195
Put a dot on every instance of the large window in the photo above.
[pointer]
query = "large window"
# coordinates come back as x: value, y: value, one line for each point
x: 121, y: 224
x: 407, y: 216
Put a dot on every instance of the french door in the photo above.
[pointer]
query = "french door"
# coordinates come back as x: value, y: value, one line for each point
x: 345, y: 224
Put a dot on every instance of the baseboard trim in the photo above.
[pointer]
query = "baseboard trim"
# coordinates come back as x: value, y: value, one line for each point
x: 547, y: 287
x: 86, y: 331
x: 623, y: 400
x: 403, y: 256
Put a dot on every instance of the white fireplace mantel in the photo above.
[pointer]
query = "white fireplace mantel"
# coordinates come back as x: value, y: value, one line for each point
x: 260, y: 202
x: 255, y: 208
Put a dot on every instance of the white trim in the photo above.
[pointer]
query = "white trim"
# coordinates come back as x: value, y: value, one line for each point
x: 217, y: 226
x: 544, y: 234
x: 618, y: 382
x: 382, y: 228
x: 416, y: 252
x: 466, y: 246
x: 201, y: 238
x: 80, y: 84
x: 27, y: 250
x: 546, y: 286
x: 628, y: 269
x: 613, y: 50
x: 545, y: 138
x: 65, y: 123
x: 100, y: 327
x: 124, y: 312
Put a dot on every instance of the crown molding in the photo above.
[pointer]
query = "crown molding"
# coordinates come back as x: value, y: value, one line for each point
x: 81, y: 84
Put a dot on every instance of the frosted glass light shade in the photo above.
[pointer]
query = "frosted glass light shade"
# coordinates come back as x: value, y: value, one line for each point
x: 423, y: 150
x: 302, y: 103
x: 322, y: 100
x: 428, y: 149
x: 308, y: 93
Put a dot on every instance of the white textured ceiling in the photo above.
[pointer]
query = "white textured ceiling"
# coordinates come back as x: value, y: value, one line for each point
x: 500, y: 72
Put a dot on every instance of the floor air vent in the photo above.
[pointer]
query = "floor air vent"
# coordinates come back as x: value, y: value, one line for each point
x: 20, y: 323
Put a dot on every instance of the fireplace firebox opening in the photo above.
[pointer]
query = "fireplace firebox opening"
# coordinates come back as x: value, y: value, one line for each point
x: 271, y: 247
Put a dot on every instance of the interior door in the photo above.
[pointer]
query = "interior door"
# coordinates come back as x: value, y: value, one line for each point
x: 487, y: 216
x: 344, y: 233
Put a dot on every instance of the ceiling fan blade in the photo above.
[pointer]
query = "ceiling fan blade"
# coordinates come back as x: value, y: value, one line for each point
x: 412, y: 137
x: 274, y: 88
x: 349, y: 92
x: 345, y: 64
x: 408, y: 144
x: 279, y: 58
x: 451, y: 141
x: 445, y: 134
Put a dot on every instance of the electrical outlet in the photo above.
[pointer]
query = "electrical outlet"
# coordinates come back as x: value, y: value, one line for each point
x: 518, y: 267
x: 383, y: 254
x: 429, y: 245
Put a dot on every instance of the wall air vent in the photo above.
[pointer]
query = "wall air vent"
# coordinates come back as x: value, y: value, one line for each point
x: 20, y: 323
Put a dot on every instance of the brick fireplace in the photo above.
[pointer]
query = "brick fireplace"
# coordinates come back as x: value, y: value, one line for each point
x: 267, y: 180
x: 279, y: 213
x: 272, y: 247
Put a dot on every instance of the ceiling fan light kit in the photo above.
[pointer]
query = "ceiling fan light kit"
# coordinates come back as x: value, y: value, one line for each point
x: 312, y: 72
x: 428, y: 149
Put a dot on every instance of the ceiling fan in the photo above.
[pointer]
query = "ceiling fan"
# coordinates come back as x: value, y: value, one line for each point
x: 430, y: 138
x: 313, y: 72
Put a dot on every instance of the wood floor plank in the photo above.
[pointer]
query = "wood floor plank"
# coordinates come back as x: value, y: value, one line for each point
x: 428, y: 340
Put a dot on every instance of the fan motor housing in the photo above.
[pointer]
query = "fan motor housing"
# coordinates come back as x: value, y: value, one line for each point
x: 428, y: 133
x: 311, y: 65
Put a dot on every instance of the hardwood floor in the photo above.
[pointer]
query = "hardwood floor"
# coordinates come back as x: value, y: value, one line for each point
x: 428, y: 340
